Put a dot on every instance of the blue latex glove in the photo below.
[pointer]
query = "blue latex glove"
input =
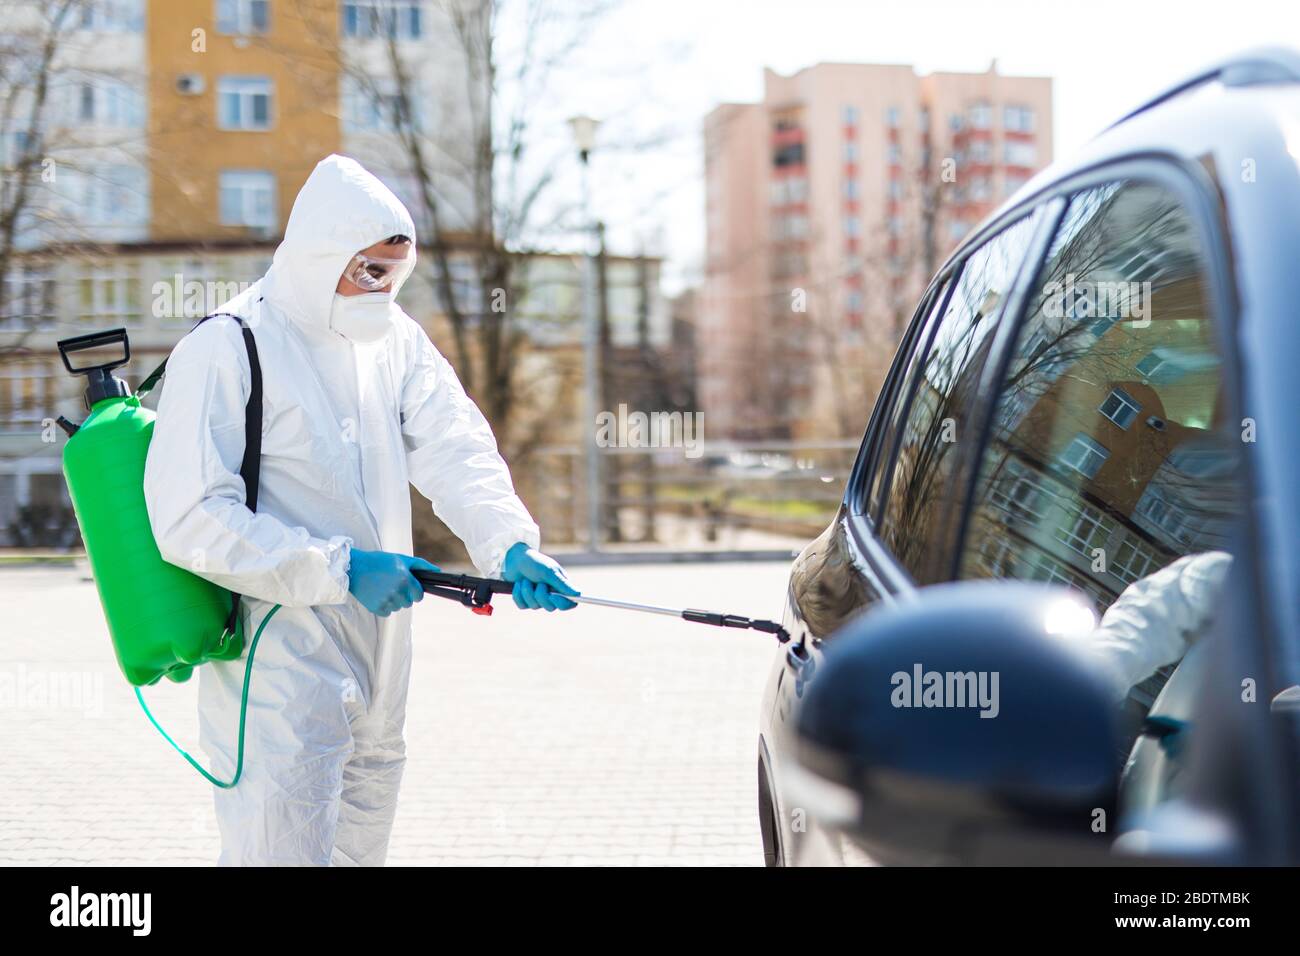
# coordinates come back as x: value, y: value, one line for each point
x: 382, y: 581
x: 539, y: 581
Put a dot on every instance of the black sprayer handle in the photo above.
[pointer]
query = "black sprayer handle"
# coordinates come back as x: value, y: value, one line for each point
x: 93, y: 340
x: 474, y: 593
x: 461, y: 581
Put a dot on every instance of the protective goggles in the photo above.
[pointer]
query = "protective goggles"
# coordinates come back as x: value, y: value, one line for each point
x: 375, y: 274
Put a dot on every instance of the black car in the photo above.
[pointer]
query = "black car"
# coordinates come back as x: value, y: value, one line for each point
x: 1096, y: 393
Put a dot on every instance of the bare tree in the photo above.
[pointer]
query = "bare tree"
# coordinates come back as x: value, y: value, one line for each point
x: 478, y: 198
x: 479, y: 194
x: 28, y: 64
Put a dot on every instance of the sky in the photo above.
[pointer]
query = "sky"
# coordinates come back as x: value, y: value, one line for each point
x: 652, y: 69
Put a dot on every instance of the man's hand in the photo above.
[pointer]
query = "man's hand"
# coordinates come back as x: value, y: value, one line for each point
x: 539, y: 581
x: 382, y: 581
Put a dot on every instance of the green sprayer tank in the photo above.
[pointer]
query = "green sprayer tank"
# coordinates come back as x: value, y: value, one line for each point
x: 163, y: 619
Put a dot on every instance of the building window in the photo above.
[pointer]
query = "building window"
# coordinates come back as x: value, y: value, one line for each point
x: 1166, y: 364
x: 376, y: 106
x: 1019, y: 154
x: 248, y: 199
x: 1019, y: 493
x: 115, y: 195
x: 1045, y: 568
x: 1201, y: 462
x: 391, y: 19
x: 243, y: 17
x: 1018, y: 119
x: 981, y: 116
x: 791, y: 226
x: 790, y: 154
x: 29, y: 392
x: 851, y: 189
x: 1084, y: 455
x: 107, y: 103
x: 893, y: 154
x: 244, y: 103
x: 109, y: 293
x: 892, y: 118
x: 895, y: 189
x: 979, y: 151
x: 1151, y: 365
x: 850, y: 115
x: 16, y: 148
x: 1085, y: 529
x: 850, y: 152
x: 791, y: 189
x: 1166, y: 515
x: 113, y: 16
x: 1133, y: 561
x: 1120, y: 408
x: 28, y: 300
x: 852, y: 226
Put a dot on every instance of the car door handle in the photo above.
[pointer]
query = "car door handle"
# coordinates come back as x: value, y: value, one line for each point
x: 800, y: 663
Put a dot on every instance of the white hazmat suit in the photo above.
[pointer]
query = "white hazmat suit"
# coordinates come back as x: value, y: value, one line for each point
x: 1157, y: 619
x: 346, y: 426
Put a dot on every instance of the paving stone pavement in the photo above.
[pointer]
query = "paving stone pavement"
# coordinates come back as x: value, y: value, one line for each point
x: 591, y: 737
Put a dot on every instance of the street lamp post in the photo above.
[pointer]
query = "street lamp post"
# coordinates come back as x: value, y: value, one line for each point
x: 584, y: 137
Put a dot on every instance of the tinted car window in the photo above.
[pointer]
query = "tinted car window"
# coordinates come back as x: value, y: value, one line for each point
x: 892, y: 411
x: 1111, y: 466
x: 942, y: 393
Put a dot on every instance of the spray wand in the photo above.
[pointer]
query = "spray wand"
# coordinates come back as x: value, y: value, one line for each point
x: 476, y: 594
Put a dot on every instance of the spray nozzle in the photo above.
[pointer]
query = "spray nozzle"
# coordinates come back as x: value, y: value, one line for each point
x: 101, y: 383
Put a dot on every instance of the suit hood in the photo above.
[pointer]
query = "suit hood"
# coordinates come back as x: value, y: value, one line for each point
x: 340, y: 210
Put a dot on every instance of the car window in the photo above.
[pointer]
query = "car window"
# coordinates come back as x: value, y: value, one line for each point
x: 942, y: 392
x: 892, y: 398
x: 1111, y: 465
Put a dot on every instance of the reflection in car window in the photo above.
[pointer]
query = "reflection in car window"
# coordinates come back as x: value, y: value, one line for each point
x: 944, y: 393
x: 894, y: 414
x: 1111, y: 457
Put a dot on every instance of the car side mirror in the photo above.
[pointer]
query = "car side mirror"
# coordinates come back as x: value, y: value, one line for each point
x: 966, y: 726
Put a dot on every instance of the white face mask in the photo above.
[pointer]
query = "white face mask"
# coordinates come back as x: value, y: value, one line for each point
x: 362, y: 318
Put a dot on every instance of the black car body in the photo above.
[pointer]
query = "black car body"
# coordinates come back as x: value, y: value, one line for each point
x: 1042, y: 422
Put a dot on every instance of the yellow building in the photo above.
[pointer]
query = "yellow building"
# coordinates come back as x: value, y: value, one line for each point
x: 243, y: 101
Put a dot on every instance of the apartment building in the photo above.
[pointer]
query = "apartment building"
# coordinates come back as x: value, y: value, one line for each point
x: 829, y: 205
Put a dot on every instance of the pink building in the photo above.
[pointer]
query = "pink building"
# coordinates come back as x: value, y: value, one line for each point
x: 829, y: 205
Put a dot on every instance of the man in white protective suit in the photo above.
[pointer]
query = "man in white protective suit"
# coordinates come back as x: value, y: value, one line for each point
x: 357, y: 405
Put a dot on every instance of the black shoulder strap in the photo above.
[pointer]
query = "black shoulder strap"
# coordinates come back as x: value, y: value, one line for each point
x: 250, y: 467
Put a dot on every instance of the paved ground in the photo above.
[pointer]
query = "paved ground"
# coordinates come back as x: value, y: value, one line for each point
x: 590, y: 737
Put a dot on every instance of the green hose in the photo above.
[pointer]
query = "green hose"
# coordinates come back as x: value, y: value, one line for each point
x: 243, y: 713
